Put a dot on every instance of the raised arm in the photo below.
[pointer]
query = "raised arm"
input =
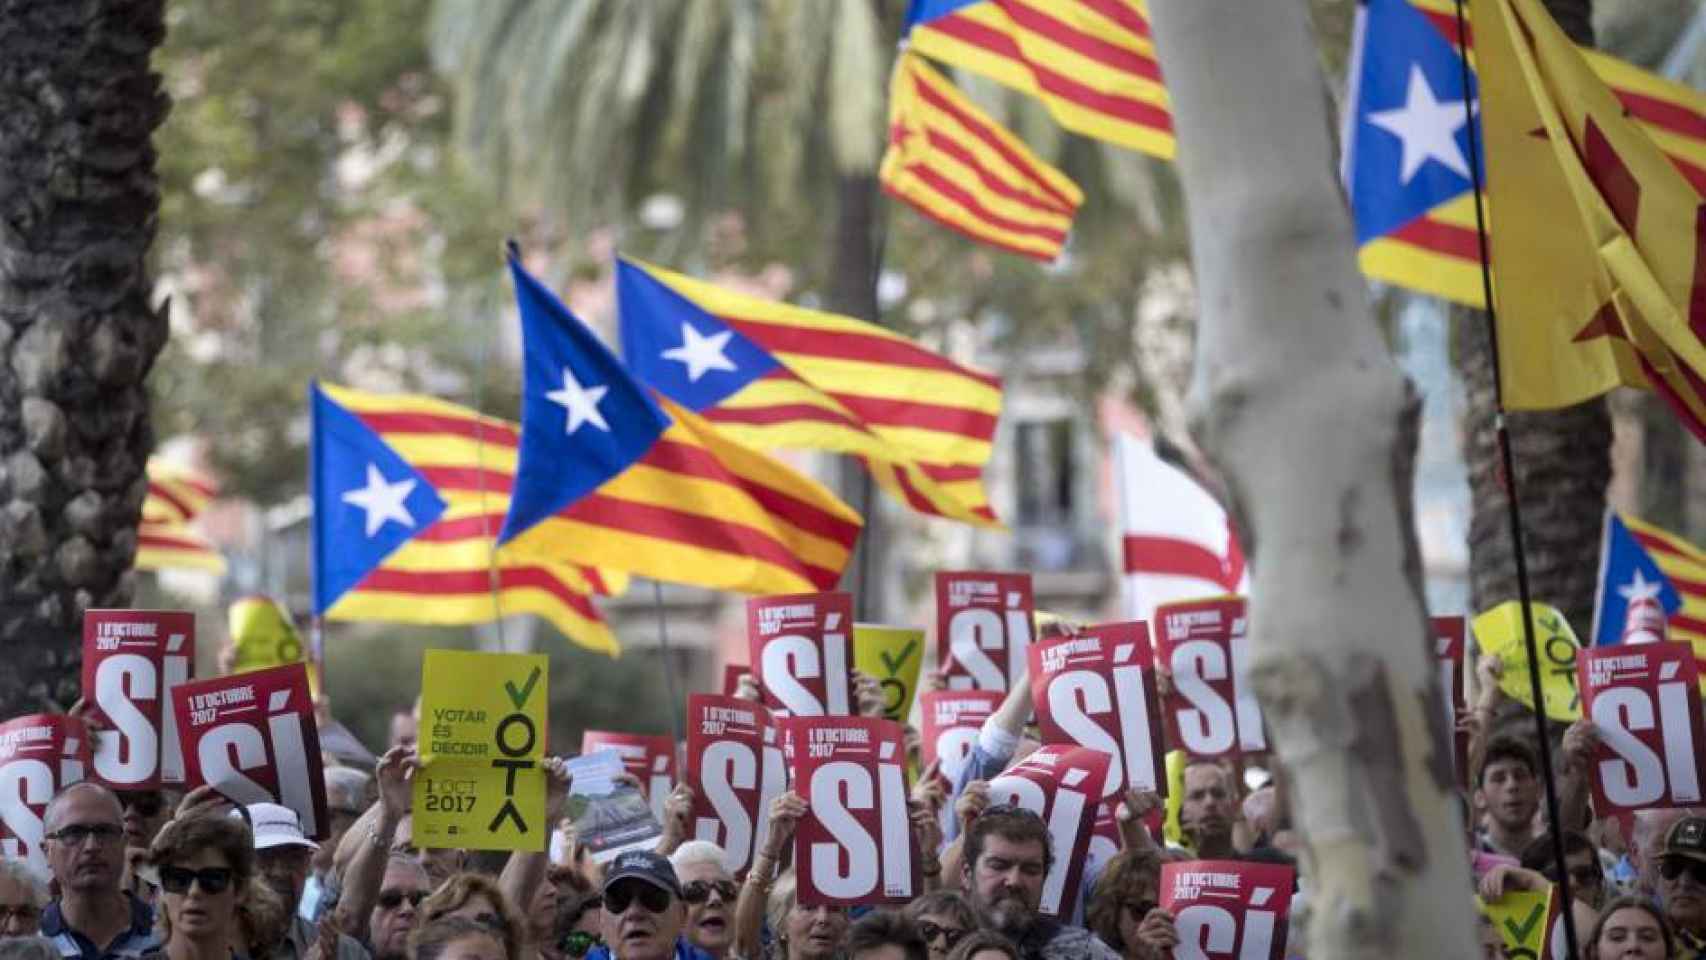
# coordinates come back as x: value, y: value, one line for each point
x: 368, y: 842
x: 785, y: 813
x: 526, y: 869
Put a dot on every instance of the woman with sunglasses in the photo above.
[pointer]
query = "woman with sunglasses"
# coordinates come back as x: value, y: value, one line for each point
x: 709, y: 891
x: 475, y: 897
x: 1127, y: 889
x: 202, y: 864
x: 944, y: 918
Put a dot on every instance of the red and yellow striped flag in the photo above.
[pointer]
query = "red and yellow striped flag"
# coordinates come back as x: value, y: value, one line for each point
x: 165, y: 538
x: 956, y: 165
x: 443, y: 573
x: 1684, y: 565
x: 1091, y: 62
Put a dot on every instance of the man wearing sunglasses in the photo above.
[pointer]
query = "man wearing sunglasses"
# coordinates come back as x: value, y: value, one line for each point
x: 643, y: 911
x: 95, y: 918
x: 1682, y: 883
x: 396, y: 911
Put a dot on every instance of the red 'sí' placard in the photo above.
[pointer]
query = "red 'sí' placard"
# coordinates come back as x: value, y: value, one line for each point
x: 735, y: 767
x: 802, y: 652
x: 40, y: 755
x: 1096, y: 688
x: 1210, y: 712
x: 951, y: 720
x: 1061, y: 784
x: 1225, y: 909
x: 131, y: 661
x: 651, y: 759
x: 983, y: 628
x: 1644, y: 705
x: 854, y: 845
x: 253, y: 738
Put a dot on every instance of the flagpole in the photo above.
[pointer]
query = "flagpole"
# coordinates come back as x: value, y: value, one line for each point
x: 669, y: 678
x: 1513, y: 500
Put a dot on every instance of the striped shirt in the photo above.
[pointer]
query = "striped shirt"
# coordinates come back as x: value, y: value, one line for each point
x: 128, y: 945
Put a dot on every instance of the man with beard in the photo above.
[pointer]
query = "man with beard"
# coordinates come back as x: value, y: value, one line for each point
x: 1508, y: 788
x: 1682, y: 884
x: 1006, y: 859
x: 95, y: 918
x: 709, y: 891
x: 643, y: 911
x: 1206, y: 811
x: 282, y: 858
x: 397, y: 909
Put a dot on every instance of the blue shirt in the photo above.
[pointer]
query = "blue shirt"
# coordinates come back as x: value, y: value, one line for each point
x: 683, y: 951
x: 128, y: 945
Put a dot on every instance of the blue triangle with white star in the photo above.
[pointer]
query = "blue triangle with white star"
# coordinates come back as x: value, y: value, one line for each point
x: 584, y: 419
x: 1407, y: 135
x: 678, y: 347
x: 1627, y: 574
x: 368, y: 500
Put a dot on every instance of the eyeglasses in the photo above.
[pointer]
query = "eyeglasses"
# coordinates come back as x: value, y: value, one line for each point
x: 209, y: 879
x: 949, y: 935
x: 654, y: 899
x: 576, y: 943
x: 146, y: 803
x: 392, y: 899
x: 74, y: 835
x: 1672, y: 867
x: 700, y: 890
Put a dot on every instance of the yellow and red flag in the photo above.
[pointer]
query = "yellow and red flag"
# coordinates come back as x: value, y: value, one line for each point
x: 1091, y: 62
x: 409, y: 494
x: 956, y: 165
x: 166, y: 538
x: 1684, y: 565
x: 1597, y: 256
x: 775, y: 375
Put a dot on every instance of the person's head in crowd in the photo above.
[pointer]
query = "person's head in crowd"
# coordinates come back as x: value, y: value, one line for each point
x: 1508, y: 786
x: 145, y: 812
x: 203, y: 863
x: 805, y: 933
x: 1630, y: 928
x: 27, y: 947
x: 439, y: 863
x: 395, y: 913
x: 1128, y: 888
x: 1581, y: 860
x: 643, y: 912
x: 23, y: 894
x: 458, y: 938
x: 1682, y: 876
x: 405, y: 728
x: 282, y: 851
x: 542, y: 912
x: 885, y: 935
x: 577, y: 927
x: 83, y: 837
x: 346, y: 798
x: 1647, y: 844
x: 985, y: 945
x: 709, y: 891
x: 1006, y: 857
x: 944, y: 918
x: 1207, y: 810
x: 476, y: 897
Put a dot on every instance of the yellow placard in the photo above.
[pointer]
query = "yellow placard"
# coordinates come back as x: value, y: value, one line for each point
x: 892, y: 657
x: 1498, y: 632
x: 1171, y: 830
x: 1521, y: 919
x: 263, y: 635
x: 482, y: 740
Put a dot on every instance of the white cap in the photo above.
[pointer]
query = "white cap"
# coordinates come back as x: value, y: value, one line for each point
x: 275, y: 825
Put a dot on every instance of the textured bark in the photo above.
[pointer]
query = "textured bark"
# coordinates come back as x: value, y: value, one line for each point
x: 1299, y: 404
x: 1562, y: 458
x: 79, y: 199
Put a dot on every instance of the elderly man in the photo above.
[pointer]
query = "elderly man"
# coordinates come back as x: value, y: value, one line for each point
x: 282, y: 856
x: 1006, y: 858
x: 1682, y: 883
x: 23, y: 894
x: 95, y: 918
x: 643, y: 911
x: 397, y: 911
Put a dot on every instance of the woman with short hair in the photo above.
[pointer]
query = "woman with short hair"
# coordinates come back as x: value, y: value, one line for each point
x: 709, y: 891
x: 476, y: 897
x: 944, y: 918
x: 203, y: 865
x: 1127, y: 889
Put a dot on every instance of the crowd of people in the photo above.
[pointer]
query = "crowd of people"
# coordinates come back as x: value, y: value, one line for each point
x: 146, y: 874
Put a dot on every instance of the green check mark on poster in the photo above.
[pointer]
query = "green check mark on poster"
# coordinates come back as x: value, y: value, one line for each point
x: 519, y: 697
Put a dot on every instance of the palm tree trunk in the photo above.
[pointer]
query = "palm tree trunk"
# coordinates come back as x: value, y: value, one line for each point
x: 1562, y: 458
x: 79, y: 200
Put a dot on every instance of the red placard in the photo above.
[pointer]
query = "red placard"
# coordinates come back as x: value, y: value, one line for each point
x: 1449, y: 635
x: 951, y: 719
x: 1060, y: 784
x: 1210, y: 712
x: 1225, y: 908
x: 253, y: 737
x: 131, y: 661
x: 735, y: 767
x: 802, y: 652
x: 983, y: 628
x: 854, y: 845
x: 1643, y: 703
x: 731, y: 677
x: 40, y: 754
x: 1097, y: 689
x: 651, y: 759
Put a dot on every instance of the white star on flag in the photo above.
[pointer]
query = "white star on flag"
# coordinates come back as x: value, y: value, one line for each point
x: 1427, y: 127
x: 382, y: 501
x: 1640, y: 589
x: 581, y: 403
x: 701, y: 353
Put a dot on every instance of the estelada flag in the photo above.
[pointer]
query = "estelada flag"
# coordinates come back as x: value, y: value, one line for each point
x: 166, y: 538
x: 1598, y: 243
x: 956, y: 165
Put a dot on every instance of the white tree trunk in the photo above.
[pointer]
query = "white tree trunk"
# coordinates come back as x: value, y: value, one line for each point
x: 1297, y: 401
